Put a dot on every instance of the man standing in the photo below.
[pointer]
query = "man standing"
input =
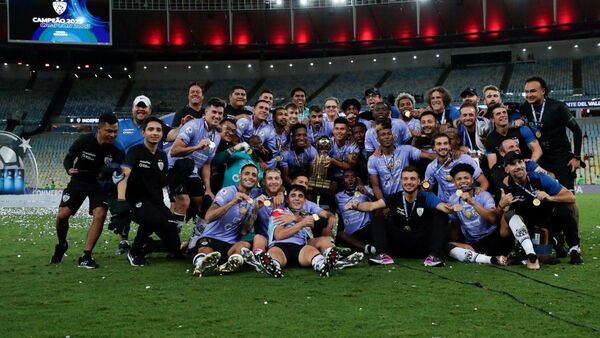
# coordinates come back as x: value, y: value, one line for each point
x: 316, y: 128
x: 144, y: 175
x: 194, y: 106
x: 301, y: 155
x: 439, y: 100
x: 237, y: 103
x: 298, y: 96
x: 258, y: 125
x: 381, y: 113
x: 89, y: 161
x: 372, y: 97
x: 470, y: 95
x: 549, y: 119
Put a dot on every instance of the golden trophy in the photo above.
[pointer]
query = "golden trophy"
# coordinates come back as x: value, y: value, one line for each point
x: 319, y: 183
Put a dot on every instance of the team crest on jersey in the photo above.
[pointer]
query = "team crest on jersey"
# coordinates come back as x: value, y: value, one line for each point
x: 261, y: 133
x: 107, y: 160
x: 420, y: 211
x: 161, y: 165
x: 138, y: 205
x: 189, y: 130
x: 59, y: 6
x: 66, y: 197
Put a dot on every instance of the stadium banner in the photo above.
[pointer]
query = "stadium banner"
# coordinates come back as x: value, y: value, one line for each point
x: 594, y: 103
x: 60, y: 21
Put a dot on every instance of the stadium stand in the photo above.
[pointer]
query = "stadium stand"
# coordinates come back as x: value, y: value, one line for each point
x: 282, y: 86
x: 221, y: 88
x: 590, y: 151
x: 166, y: 95
x: 558, y: 74
x: 347, y: 85
x: 473, y: 77
x: 50, y: 150
x: 92, y: 97
x: 411, y: 80
x: 591, y: 76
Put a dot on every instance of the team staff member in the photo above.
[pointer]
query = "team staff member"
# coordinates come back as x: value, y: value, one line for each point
x: 144, y: 175
x: 194, y: 106
x: 537, y: 199
x: 417, y: 227
x: 548, y: 119
x: 89, y: 162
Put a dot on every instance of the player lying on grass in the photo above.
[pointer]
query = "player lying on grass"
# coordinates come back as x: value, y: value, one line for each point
x: 291, y: 242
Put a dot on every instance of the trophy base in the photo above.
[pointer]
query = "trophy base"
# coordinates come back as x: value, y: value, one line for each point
x: 320, y: 186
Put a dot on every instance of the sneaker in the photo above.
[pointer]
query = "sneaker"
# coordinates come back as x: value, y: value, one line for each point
x: 87, y: 262
x: 381, y: 259
x: 575, y: 257
x: 210, y: 260
x: 135, y: 260
x: 234, y: 263
x: 122, y: 248
x: 251, y: 259
x: 270, y: 266
x: 433, y: 261
x: 348, y: 261
x: 331, y: 257
x: 59, y: 253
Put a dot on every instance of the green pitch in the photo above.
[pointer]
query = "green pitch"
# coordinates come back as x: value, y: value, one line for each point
x: 406, y: 299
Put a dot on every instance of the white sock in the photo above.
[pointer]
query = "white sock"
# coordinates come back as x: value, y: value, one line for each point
x: 575, y: 248
x: 198, y: 258
x: 520, y: 232
x: 317, y: 262
x: 469, y: 256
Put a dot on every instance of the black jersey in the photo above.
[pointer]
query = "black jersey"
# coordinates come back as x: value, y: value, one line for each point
x: 552, y: 125
x: 415, y: 216
x: 231, y: 112
x: 183, y: 112
x: 94, y: 161
x: 522, y: 135
x: 148, y: 174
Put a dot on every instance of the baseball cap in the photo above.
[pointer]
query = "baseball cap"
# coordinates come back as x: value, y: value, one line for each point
x: 372, y: 91
x: 142, y: 99
x: 511, y: 156
x: 468, y: 92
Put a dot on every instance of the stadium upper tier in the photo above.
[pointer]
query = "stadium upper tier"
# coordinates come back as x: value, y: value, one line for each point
x: 415, y: 81
x: 591, y: 77
x: 558, y: 74
x: 92, y: 96
x: 473, y: 77
x: 282, y: 86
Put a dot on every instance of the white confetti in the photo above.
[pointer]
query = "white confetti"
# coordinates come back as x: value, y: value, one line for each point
x: 103, y: 277
x: 360, y: 309
x: 18, y: 256
x: 147, y: 286
x: 266, y: 302
x: 187, y: 271
x: 475, y: 309
x: 80, y: 282
x: 555, y: 275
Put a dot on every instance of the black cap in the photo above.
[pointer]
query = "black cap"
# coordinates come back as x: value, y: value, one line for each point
x: 511, y: 156
x: 372, y: 91
x: 468, y: 92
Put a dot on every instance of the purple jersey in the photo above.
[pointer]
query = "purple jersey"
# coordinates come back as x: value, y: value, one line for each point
x: 440, y: 174
x: 354, y: 220
x: 399, y: 130
x: 266, y: 132
x: 389, y: 167
x: 313, y: 135
x: 191, y: 134
x: 227, y: 227
x: 473, y: 226
x: 298, y: 161
x: 342, y: 153
x: 300, y: 238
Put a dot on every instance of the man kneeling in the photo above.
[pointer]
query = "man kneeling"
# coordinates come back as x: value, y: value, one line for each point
x: 290, y: 242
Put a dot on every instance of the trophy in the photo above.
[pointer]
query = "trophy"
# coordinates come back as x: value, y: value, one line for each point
x: 319, y: 180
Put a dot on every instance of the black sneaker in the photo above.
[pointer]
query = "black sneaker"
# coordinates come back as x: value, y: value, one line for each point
x: 59, y: 252
x: 87, y: 262
x: 135, y: 260
x: 575, y: 258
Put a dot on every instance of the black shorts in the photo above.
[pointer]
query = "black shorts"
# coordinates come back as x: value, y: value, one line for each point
x: 76, y: 192
x: 192, y: 186
x: 364, y: 235
x: 494, y: 245
x: 216, y: 245
x: 291, y: 252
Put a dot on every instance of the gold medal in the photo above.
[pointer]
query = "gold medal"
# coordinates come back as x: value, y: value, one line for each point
x: 468, y: 215
x: 315, y: 217
x: 211, y: 145
x: 249, y: 151
x: 536, y: 202
x: 357, y: 194
x: 407, y: 228
x: 267, y: 203
x: 407, y: 114
x: 243, y: 210
x: 448, y: 177
x: 250, y: 201
x: 426, y: 184
x: 459, y: 192
x: 538, y: 134
x: 278, y: 158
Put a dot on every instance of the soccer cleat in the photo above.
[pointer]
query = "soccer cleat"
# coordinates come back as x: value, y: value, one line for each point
x: 533, y: 263
x: 251, y: 259
x: 87, y: 262
x: 381, y: 259
x: 270, y: 266
x: 500, y: 260
x: 558, y: 243
x: 135, y: 260
x: 433, y: 261
x: 122, y: 248
x: 234, y: 263
x: 59, y: 252
x: 575, y: 257
x: 209, y: 261
x: 331, y: 256
x: 350, y: 260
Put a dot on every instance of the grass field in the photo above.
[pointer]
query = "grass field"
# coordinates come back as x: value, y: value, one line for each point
x: 406, y: 299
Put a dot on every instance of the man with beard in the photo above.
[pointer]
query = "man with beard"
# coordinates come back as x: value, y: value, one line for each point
x: 549, y: 120
x: 429, y: 127
x: 359, y: 131
x: 439, y: 99
x: 237, y: 103
x: 400, y: 131
x: 300, y: 156
x: 280, y: 124
x: 257, y: 125
x: 416, y: 227
x: 343, y: 154
x: 372, y: 97
x: 470, y: 95
x: 351, y: 108
x: 194, y: 106
x: 316, y: 128
x: 293, y: 113
x: 438, y: 171
x: 492, y: 97
x: 473, y: 129
x: 386, y: 165
x: 406, y: 106
x: 197, y: 141
x: 90, y: 162
x: 227, y: 221
x: 144, y: 175
x: 532, y: 199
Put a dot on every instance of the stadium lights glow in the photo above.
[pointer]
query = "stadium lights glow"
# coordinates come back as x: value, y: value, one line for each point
x: 145, y: 67
x: 576, y: 46
x: 76, y: 76
x: 228, y: 66
x: 101, y: 68
x: 437, y: 55
x: 303, y: 2
x: 271, y: 66
x: 351, y: 61
x: 249, y: 65
x: 549, y: 47
x: 312, y: 64
x: 47, y: 65
x: 329, y: 62
x: 374, y: 60
x: 524, y: 49
x: 110, y: 77
x: 291, y: 65
x: 78, y: 67
x: 414, y: 57
x: 394, y: 58
x: 189, y: 67
x: 206, y: 67
x: 26, y: 65
x: 6, y: 64
x: 279, y: 2
x: 165, y: 67
x: 57, y: 67
x: 125, y: 69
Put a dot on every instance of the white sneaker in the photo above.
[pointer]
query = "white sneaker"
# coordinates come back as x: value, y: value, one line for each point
x: 201, y: 264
